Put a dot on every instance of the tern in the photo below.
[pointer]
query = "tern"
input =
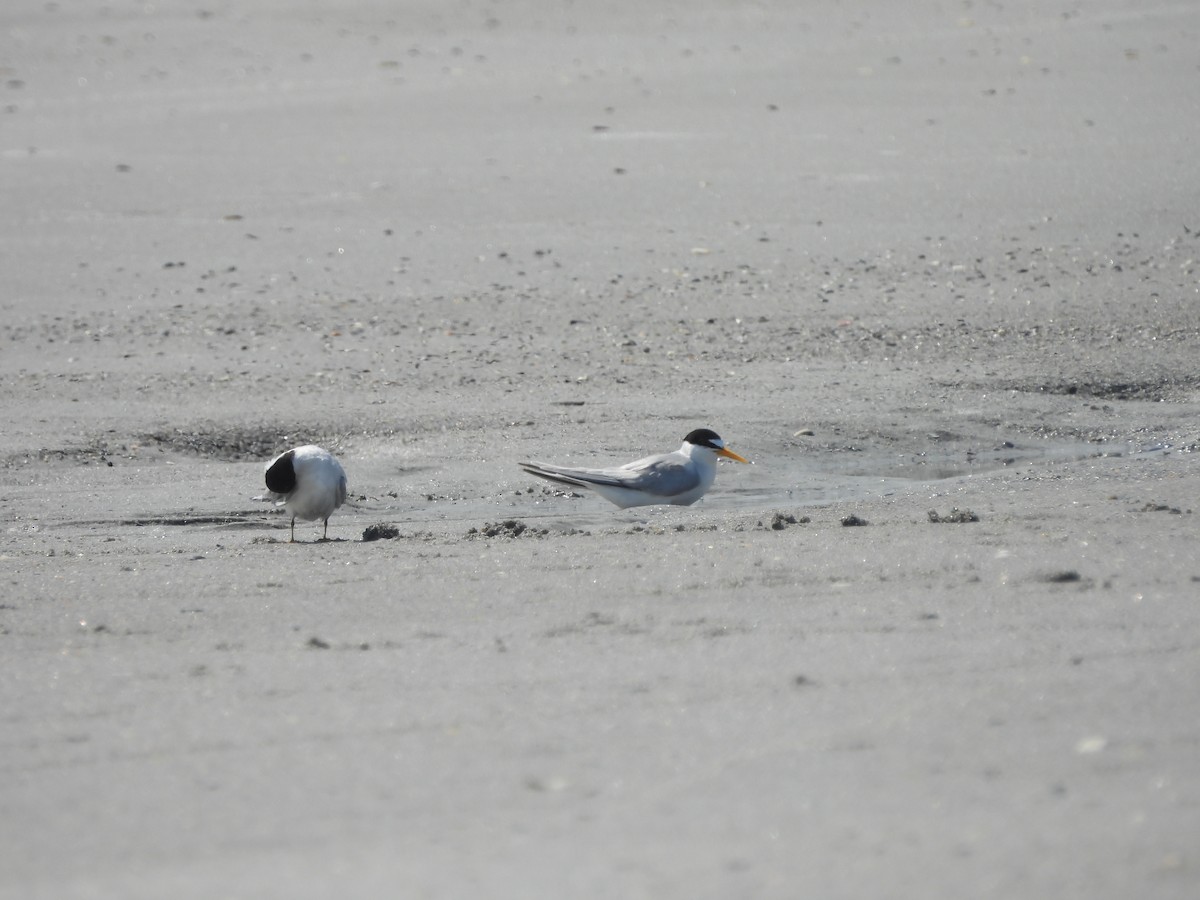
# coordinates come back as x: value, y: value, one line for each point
x: 679, y: 479
x: 310, y: 482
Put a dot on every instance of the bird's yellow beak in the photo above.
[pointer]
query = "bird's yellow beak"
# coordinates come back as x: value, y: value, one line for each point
x: 729, y: 454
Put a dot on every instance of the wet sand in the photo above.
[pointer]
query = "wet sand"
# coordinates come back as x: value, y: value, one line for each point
x: 932, y: 260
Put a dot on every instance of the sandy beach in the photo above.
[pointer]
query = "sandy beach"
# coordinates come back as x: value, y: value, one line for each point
x: 933, y: 268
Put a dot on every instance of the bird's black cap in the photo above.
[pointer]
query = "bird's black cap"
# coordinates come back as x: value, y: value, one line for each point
x: 281, y: 476
x: 705, y: 437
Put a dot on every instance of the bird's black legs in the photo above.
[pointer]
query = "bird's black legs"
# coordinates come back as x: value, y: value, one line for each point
x: 292, y: 535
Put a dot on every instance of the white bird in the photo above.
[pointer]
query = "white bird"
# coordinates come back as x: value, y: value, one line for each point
x: 309, y: 481
x: 680, y: 478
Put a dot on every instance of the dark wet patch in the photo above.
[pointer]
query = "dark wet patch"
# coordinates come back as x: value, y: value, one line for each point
x: 508, y: 528
x: 1154, y: 390
x: 228, y: 520
x: 233, y: 444
x: 956, y: 516
x: 544, y: 491
x: 604, y: 621
x: 1066, y: 576
x: 206, y: 441
x: 647, y: 528
x: 380, y: 533
x: 780, y: 521
x: 89, y: 455
x: 184, y: 521
x: 1162, y: 507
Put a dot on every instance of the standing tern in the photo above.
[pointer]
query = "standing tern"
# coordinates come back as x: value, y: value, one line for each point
x: 310, y: 482
x: 680, y: 478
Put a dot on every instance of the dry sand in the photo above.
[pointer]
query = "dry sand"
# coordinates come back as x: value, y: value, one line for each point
x: 906, y: 257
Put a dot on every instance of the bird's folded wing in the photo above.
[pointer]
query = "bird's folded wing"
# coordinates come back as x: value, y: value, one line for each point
x: 663, y: 477
x: 561, y: 474
x: 660, y: 477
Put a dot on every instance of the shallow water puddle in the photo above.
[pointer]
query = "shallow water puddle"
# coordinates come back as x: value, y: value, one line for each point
x: 952, y: 461
x: 816, y: 478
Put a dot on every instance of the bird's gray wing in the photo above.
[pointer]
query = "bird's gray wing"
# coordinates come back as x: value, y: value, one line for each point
x: 562, y: 474
x: 662, y: 476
